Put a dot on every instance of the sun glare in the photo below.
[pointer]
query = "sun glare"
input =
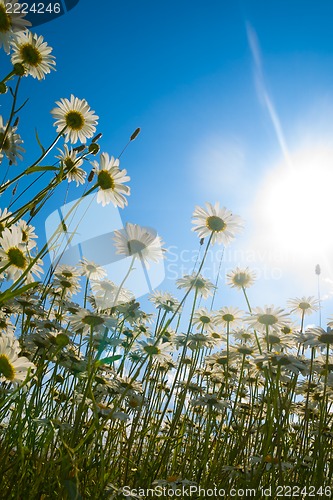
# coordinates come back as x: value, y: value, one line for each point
x: 296, y: 204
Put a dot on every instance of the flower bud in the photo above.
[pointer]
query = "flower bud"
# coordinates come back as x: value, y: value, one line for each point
x: 19, y: 69
x: 3, y: 88
x: 135, y: 134
x: 97, y: 137
x: 93, y: 148
x: 91, y: 176
x: 78, y: 149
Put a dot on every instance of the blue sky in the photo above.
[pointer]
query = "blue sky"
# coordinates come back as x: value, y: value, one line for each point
x: 218, y: 118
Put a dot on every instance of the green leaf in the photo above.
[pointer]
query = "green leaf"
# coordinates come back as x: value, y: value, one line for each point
x: 9, y: 294
x: 109, y: 360
x: 72, y: 491
x: 40, y: 168
x: 39, y: 143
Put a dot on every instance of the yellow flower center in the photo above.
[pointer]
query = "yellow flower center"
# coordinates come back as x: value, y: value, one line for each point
x: 92, y: 320
x: 16, y: 258
x: 74, y: 120
x: 215, y: 224
x: 6, y: 368
x: 5, y: 143
x: 267, y: 319
x: 205, y: 319
x: 30, y: 55
x: 5, y: 22
x: 326, y: 338
x: 135, y: 246
x: 241, y: 279
x: 105, y: 180
x: 69, y: 162
x: 151, y: 349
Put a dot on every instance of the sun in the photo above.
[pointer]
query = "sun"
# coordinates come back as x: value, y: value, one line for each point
x: 295, y: 205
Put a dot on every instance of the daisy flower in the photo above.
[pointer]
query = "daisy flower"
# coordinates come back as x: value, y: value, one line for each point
x: 91, y: 270
x: 33, y: 53
x: 203, y: 286
x: 110, y: 180
x: 155, y: 350
x: 140, y: 243
x: 318, y: 337
x: 210, y: 401
x: 197, y: 340
x: 6, y: 326
x: 229, y: 316
x: 66, y: 271
x: 13, y: 368
x: 14, y: 255
x: 241, y: 278
x: 28, y: 234
x: 303, y: 306
x: 10, y: 143
x: 125, y: 384
x: 66, y: 280
x: 106, y: 292
x: 72, y: 165
x: 86, y: 320
x: 219, y: 358
x: 5, y: 219
x: 216, y: 221
x: 76, y: 115
x: 279, y: 341
x: 164, y: 300
x: 10, y: 23
x: 204, y: 319
x: 268, y: 317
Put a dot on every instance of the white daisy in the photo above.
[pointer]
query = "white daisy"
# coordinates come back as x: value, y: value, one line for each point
x: 76, y: 115
x: 107, y: 294
x: 13, y: 368
x: 91, y: 270
x: 10, y: 23
x: 203, y: 286
x: 86, y: 320
x: 68, y: 272
x: 156, y: 350
x: 318, y: 337
x: 14, y: 256
x: 303, y: 306
x: 164, y: 300
x: 216, y: 221
x: 241, y: 278
x: 5, y: 219
x: 210, y: 401
x: 6, y: 326
x: 204, y: 319
x: 33, y: 53
x: 229, y: 316
x: 110, y: 180
x: 10, y: 143
x: 28, y: 234
x: 140, y: 243
x: 66, y: 280
x: 267, y: 318
x: 71, y: 165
